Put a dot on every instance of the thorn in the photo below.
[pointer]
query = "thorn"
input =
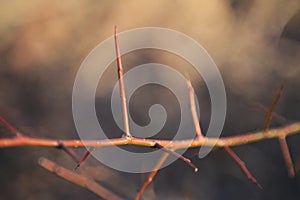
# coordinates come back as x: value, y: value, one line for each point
x: 69, y: 151
x: 193, y: 109
x: 282, y: 140
x: 287, y: 157
x: 121, y: 84
x: 86, y: 155
x: 184, y: 159
x: 272, y: 108
x: 10, y: 127
x: 242, y: 165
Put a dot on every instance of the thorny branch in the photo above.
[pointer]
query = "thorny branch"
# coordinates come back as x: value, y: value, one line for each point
x: 238, y: 140
x: 168, y: 146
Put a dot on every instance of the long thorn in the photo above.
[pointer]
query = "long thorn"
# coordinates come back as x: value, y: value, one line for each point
x: 184, y: 159
x: 272, y: 108
x: 193, y: 110
x: 242, y: 165
x: 10, y: 127
x: 69, y: 151
x: 287, y: 157
x: 86, y: 155
x: 121, y: 84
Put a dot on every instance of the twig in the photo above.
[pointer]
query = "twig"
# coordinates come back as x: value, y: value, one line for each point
x: 121, y: 85
x: 175, y: 144
x: 193, y: 109
x: 78, y: 179
x: 151, y: 176
x: 167, y: 145
x: 265, y: 128
x: 242, y: 165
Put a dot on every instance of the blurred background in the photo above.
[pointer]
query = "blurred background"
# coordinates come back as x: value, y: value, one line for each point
x: 255, y: 44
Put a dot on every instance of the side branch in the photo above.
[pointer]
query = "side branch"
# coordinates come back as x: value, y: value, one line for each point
x: 175, y: 144
x: 151, y: 176
x: 78, y: 179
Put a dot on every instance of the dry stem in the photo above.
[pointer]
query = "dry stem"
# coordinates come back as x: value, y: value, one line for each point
x: 78, y: 179
x: 167, y: 145
x: 282, y: 140
x: 151, y: 176
x: 175, y: 144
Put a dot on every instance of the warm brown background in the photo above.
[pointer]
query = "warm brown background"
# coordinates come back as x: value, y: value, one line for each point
x: 256, y: 45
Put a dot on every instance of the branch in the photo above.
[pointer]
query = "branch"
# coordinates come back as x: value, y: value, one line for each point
x: 168, y: 151
x: 282, y: 140
x: 151, y: 176
x: 175, y: 144
x: 169, y: 146
x: 78, y: 179
x: 200, y: 136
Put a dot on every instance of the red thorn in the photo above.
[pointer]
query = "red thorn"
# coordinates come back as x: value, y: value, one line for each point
x: 10, y: 127
x: 242, y: 165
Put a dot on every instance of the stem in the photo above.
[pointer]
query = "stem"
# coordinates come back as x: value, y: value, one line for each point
x: 78, y: 179
x: 121, y: 85
x: 151, y: 176
x: 175, y: 144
